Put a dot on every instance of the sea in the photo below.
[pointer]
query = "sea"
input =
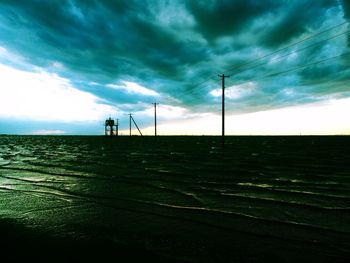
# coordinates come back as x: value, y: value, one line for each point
x: 177, y: 198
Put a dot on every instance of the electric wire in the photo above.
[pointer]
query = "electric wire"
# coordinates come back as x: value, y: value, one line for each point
x: 275, y: 74
x: 297, y: 50
x: 294, y: 69
x: 275, y: 52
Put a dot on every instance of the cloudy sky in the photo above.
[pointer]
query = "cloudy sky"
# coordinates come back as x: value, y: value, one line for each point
x: 66, y: 65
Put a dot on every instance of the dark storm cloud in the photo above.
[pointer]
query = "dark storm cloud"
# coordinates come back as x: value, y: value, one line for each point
x: 295, y: 19
x: 171, y: 46
x: 103, y: 38
x: 346, y: 8
x: 221, y: 18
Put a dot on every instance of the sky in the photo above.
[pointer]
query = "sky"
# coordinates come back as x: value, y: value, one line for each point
x: 67, y: 65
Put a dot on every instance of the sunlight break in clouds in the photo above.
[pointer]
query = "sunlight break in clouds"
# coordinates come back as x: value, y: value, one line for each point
x: 132, y: 87
x: 235, y: 91
x: 168, y: 112
x: 46, y: 97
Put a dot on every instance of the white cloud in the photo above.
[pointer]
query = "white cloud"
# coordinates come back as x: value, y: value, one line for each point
x: 168, y: 112
x: 57, y: 65
x: 48, y: 132
x: 132, y: 87
x: 46, y: 96
x: 9, y: 57
x: 3, y: 51
x: 172, y: 14
x: 235, y: 91
x: 288, y: 92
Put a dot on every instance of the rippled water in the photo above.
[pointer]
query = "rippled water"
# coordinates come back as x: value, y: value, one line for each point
x: 182, y: 194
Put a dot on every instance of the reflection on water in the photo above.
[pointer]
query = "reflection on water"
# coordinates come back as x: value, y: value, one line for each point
x: 296, y: 186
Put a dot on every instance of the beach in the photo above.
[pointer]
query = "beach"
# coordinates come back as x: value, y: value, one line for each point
x: 177, y: 198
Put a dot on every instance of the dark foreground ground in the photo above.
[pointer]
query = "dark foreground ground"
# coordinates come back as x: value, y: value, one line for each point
x: 180, y: 199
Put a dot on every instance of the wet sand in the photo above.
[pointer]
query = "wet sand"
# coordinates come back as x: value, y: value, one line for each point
x: 180, y: 199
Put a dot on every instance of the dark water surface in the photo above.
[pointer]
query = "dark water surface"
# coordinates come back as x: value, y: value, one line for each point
x: 180, y: 198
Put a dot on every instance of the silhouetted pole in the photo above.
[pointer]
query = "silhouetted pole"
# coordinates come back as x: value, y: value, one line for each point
x: 130, y: 124
x: 155, y: 119
x: 117, y: 127
x: 136, y: 126
x: 223, y: 107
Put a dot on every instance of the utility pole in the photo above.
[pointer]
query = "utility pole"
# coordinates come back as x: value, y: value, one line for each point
x: 155, y: 119
x: 132, y: 119
x: 117, y: 127
x: 223, y: 107
x: 130, y: 124
x: 136, y: 126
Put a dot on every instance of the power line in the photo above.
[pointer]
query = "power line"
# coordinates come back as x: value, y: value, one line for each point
x: 289, y: 46
x: 308, y: 65
x: 274, y: 52
x: 338, y: 80
x: 297, y: 50
x: 295, y: 69
x: 132, y: 119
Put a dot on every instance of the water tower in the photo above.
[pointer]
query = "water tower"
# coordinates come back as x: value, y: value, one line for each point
x: 109, y: 127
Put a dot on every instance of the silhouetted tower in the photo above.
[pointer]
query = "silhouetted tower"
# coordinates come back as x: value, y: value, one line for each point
x: 223, y: 108
x: 109, y: 127
x: 155, y: 119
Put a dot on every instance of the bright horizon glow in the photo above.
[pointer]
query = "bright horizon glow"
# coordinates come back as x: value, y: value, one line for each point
x: 132, y: 87
x: 313, y: 119
x: 42, y: 96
